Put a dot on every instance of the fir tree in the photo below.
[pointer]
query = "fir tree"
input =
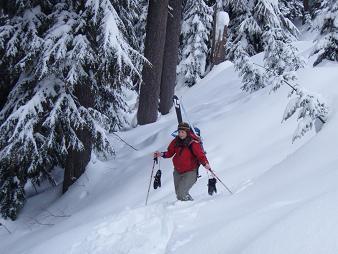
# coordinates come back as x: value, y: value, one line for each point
x: 327, y: 44
x: 267, y: 14
x: 265, y: 28
x: 292, y: 9
x: 196, y: 29
x: 261, y: 28
x: 280, y: 59
x: 248, y: 21
x: 310, y: 108
x: 67, y: 91
x: 253, y: 77
x: 242, y: 29
x: 140, y: 26
x: 23, y: 21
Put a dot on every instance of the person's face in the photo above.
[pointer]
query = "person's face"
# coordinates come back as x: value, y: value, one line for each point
x: 182, y: 134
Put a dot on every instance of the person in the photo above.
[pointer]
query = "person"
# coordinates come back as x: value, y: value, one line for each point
x: 188, y: 156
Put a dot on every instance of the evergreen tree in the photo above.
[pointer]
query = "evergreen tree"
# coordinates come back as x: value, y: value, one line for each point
x: 140, y: 25
x: 261, y: 28
x: 267, y: 14
x: 69, y: 63
x: 292, y: 9
x: 23, y: 20
x: 280, y: 59
x: 242, y: 30
x: 310, y: 108
x: 130, y: 12
x: 266, y: 28
x: 327, y: 44
x: 253, y: 78
x: 196, y: 29
x: 248, y: 21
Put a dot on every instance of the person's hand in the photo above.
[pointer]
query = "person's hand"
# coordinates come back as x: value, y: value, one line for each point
x: 157, y: 154
x: 207, y: 166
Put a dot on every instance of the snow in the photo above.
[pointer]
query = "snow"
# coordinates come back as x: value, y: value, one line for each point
x: 285, y: 193
x: 222, y: 21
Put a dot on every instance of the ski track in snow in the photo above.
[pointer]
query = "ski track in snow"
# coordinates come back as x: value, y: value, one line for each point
x: 149, y: 229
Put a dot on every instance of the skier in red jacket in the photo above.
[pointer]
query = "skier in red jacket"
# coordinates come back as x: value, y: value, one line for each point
x: 188, y: 155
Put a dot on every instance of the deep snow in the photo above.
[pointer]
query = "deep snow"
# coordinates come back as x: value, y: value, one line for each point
x: 285, y: 194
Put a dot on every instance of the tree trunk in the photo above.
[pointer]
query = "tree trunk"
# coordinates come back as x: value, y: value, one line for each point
x: 154, y: 49
x: 5, y: 87
x: 219, y: 51
x: 218, y: 42
x: 306, y: 13
x: 306, y: 6
x: 170, y: 58
x: 77, y: 161
x: 213, y: 36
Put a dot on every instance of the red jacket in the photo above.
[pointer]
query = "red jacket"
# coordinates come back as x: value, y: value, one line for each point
x: 185, y: 158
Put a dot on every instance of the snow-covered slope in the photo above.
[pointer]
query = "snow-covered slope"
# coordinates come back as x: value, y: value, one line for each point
x: 285, y: 194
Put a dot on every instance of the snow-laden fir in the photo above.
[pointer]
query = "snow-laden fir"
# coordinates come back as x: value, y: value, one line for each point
x: 284, y: 193
x: 69, y: 66
x: 196, y: 29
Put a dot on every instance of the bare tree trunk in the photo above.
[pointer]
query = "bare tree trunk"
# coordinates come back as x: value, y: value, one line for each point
x: 306, y: 6
x: 170, y: 57
x: 306, y: 13
x: 219, y: 51
x: 213, y: 37
x: 218, y: 41
x: 154, y: 49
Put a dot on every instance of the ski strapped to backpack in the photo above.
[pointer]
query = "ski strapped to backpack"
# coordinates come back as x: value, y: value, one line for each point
x: 177, y: 106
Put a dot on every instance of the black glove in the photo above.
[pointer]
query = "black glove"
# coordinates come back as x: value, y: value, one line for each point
x: 212, y: 186
x: 157, y: 181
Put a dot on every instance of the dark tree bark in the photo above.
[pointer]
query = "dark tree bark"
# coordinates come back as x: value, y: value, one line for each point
x: 210, y: 2
x: 77, y: 161
x: 170, y: 58
x: 154, y: 49
x: 306, y: 6
x: 213, y: 36
x: 219, y: 48
x: 307, y: 13
x: 218, y: 44
x: 5, y: 87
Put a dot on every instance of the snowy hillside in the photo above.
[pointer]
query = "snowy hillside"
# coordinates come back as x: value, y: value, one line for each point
x: 285, y: 197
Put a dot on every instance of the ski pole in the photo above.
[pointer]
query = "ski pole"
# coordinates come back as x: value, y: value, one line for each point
x: 213, y: 173
x: 151, y: 177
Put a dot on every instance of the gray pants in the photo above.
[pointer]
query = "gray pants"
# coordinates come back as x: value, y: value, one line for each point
x: 183, y: 183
